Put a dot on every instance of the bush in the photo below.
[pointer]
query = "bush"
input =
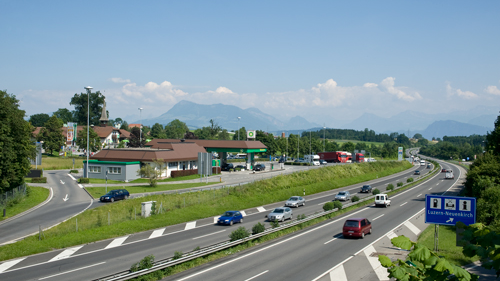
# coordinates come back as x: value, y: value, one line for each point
x: 337, y: 205
x: 409, y: 180
x: 196, y: 249
x: 400, y: 183
x: 329, y: 206
x: 73, y: 171
x: 183, y: 173
x: 146, y: 262
x: 355, y: 198
x: 275, y: 224
x: 376, y: 191
x: 258, y: 228
x: 301, y: 217
x: 83, y: 180
x: 177, y: 255
x: 390, y: 186
x: 239, y: 233
x: 39, y: 180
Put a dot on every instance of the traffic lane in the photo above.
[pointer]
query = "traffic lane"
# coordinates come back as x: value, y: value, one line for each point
x: 64, y: 184
x: 301, y: 258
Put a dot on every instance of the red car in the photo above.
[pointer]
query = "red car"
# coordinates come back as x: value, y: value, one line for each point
x: 357, y: 227
x: 443, y: 171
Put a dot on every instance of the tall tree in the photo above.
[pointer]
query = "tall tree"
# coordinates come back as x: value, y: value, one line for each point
x: 136, y: 140
x: 37, y: 120
x: 224, y: 135
x: 64, y: 114
x: 80, y: 103
x: 94, y: 140
x: 17, y: 146
x: 493, y: 139
x: 157, y: 131
x: 124, y: 126
x: 51, y: 135
x: 176, y: 129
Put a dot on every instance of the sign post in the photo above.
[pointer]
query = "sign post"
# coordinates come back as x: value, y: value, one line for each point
x: 400, y: 153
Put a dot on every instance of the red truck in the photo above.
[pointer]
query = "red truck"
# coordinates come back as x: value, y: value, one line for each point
x: 333, y: 156
x: 360, y: 158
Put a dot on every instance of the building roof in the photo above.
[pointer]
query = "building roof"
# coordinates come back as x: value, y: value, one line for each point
x: 176, y: 152
x: 232, y: 144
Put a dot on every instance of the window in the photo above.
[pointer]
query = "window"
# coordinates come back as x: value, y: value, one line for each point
x: 172, y: 164
x: 94, y: 169
x: 114, y: 170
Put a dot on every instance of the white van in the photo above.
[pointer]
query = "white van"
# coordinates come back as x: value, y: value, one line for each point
x: 312, y: 159
x: 382, y: 200
x: 422, y: 163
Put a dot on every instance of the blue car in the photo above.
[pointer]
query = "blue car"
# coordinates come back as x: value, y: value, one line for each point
x: 113, y: 195
x: 230, y: 217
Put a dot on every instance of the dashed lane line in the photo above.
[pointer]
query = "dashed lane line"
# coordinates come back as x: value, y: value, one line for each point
x: 116, y: 242
x: 6, y: 265
x: 157, y: 233
x: 208, y: 234
x: 66, y: 253
x: 190, y: 225
x: 257, y: 275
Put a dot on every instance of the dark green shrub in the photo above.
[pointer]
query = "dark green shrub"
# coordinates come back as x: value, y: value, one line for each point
x: 409, y: 180
x: 329, y: 206
x: 275, y: 224
x: 400, y: 183
x: 84, y: 180
x: 355, y: 198
x: 177, y: 255
x: 301, y: 217
x: 39, y: 180
x: 146, y: 262
x: 73, y: 171
x: 258, y: 228
x: 239, y: 233
x: 376, y: 191
x: 337, y: 205
x: 197, y: 248
x: 390, y: 186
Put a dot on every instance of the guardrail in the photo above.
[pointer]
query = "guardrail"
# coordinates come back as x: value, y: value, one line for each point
x: 162, y: 264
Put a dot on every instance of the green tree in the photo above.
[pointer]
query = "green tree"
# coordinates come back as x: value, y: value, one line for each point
x: 348, y: 146
x: 16, y: 142
x: 64, y: 114
x: 242, y: 135
x: 118, y: 121
x: 38, y: 120
x: 418, y: 136
x: 157, y: 131
x: 136, y: 139
x: 80, y: 103
x: 94, y: 140
x: 223, y: 135
x: 51, y: 135
x: 493, y: 139
x: 152, y: 171
x: 176, y: 129
x: 124, y: 126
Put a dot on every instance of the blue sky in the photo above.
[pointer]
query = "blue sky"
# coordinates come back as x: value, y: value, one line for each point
x: 316, y: 59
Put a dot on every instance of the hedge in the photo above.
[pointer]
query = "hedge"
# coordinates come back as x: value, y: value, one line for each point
x: 39, y: 180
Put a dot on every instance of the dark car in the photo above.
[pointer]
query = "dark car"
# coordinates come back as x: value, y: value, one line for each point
x: 366, y: 188
x: 417, y: 172
x: 443, y: 171
x: 241, y: 167
x: 357, y: 228
x: 322, y: 162
x: 259, y: 167
x: 230, y: 217
x: 116, y: 194
x: 227, y: 167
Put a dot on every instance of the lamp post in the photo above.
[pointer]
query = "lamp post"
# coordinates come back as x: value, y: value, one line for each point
x: 239, y: 128
x: 140, y: 126
x: 88, y: 88
x: 324, y: 146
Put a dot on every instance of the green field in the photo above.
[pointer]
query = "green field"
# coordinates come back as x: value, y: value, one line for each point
x: 124, y: 216
x: 36, y: 195
x: 97, y: 192
x: 59, y: 163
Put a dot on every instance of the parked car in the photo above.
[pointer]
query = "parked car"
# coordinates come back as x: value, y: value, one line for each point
x: 227, y: 167
x: 322, y: 162
x: 382, y: 200
x: 366, y: 188
x: 116, y: 194
x: 259, y: 167
x: 417, y: 172
x: 242, y: 167
x: 343, y: 196
x: 280, y: 214
x: 230, y: 217
x: 357, y: 227
x: 295, y: 201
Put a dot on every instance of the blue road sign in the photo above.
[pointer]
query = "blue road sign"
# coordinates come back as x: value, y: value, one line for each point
x: 448, y: 210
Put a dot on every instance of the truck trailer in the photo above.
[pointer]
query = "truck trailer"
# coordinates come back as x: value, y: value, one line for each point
x: 333, y: 156
x: 360, y: 158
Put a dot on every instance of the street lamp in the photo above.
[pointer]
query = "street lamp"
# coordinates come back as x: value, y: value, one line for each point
x: 239, y: 128
x: 88, y: 88
x: 324, y: 146
x: 140, y: 126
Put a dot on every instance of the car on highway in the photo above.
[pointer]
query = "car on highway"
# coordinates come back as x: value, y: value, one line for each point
x: 382, y: 200
x: 230, y: 217
x: 443, y: 170
x: 295, y: 201
x: 343, y: 196
x: 227, y: 167
x: 322, y: 162
x: 366, y: 188
x: 115, y: 194
x: 417, y: 172
x: 280, y: 214
x: 259, y: 167
x: 357, y: 227
x: 428, y: 166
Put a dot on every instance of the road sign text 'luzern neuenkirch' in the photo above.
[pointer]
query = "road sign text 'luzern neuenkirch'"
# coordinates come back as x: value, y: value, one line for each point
x: 448, y: 210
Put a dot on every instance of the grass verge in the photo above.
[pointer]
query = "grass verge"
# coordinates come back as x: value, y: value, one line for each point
x: 124, y: 216
x: 35, y: 196
x: 59, y: 163
x: 97, y: 192
x: 103, y: 181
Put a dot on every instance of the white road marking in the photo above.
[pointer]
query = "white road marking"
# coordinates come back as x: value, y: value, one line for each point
x: 116, y: 242
x: 430, y: 188
x: 62, y: 182
x: 437, y: 183
x: 208, y: 234
x: 243, y: 213
x: 81, y: 186
x: 381, y: 271
x: 403, y: 204
x: 378, y: 217
x: 71, y: 270
x: 419, y: 195
x: 215, y: 219
x: 335, y: 238
x: 257, y: 275
x: 412, y: 227
x: 157, y: 233
x: 71, y: 176
x: 66, y: 253
x: 190, y: 225
x: 261, y: 209
x: 6, y: 265
x: 66, y: 198
x: 338, y: 274
x: 391, y: 235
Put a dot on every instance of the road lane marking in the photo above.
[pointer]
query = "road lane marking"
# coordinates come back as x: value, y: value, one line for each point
x: 72, y: 270
x: 419, y: 195
x: 335, y: 238
x: 116, y: 242
x: 190, y: 225
x: 66, y: 198
x: 257, y: 275
x: 215, y: 219
x: 6, y: 265
x: 403, y: 204
x: 261, y: 209
x: 391, y: 235
x: 81, y: 186
x: 243, y: 213
x: 430, y: 188
x: 157, y: 233
x: 71, y: 176
x: 412, y: 227
x: 338, y: 274
x: 381, y: 271
x: 66, y: 253
x: 437, y: 183
x: 378, y: 217
x: 208, y: 234
x: 62, y: 182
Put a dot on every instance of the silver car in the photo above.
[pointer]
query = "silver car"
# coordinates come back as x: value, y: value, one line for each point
x: 343, y: 196
x: 280, y: 214
x: 295, y: 201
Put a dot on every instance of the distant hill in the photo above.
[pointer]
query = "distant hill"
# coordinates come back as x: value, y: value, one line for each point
x: 199, y: 115
x: 439, y: 129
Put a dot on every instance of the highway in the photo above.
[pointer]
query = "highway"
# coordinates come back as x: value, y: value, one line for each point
x: 102, y: 258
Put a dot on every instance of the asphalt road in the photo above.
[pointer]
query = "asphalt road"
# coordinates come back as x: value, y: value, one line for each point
x: 68, y: 200
x: 94, y: 261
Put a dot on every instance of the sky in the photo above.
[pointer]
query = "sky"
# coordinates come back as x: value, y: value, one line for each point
x: 323, y: 60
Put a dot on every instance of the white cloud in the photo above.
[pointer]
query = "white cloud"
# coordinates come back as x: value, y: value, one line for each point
x: 463, y: 94
x: 388, y: 84
x: 119, y: 80
x: 370, y: 85
x: 492, y: 90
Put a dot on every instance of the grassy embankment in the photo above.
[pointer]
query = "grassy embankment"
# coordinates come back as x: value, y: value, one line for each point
x: 59, y: 163
x: 35, y: 196
x: 179, y: 208
x: 97, y: 192
x: 103, y: 181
